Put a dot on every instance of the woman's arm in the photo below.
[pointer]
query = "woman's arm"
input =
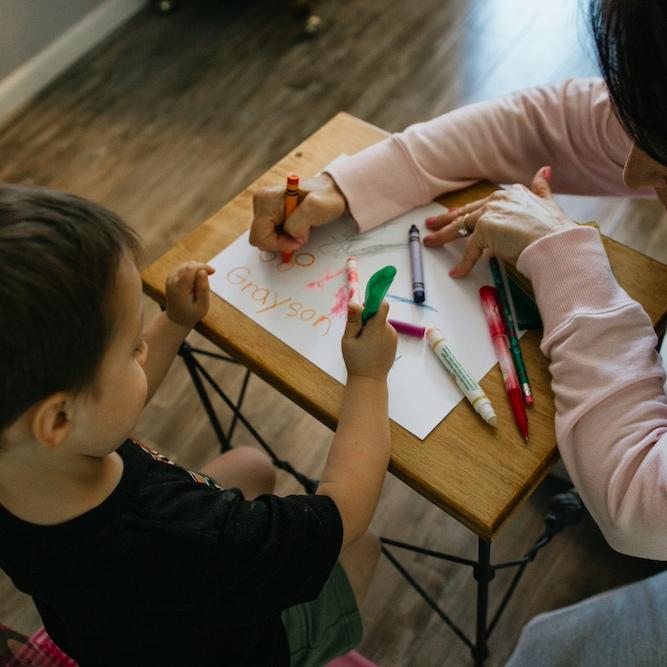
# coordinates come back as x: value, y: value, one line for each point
x: 611, y: 409
x: 570, y: 126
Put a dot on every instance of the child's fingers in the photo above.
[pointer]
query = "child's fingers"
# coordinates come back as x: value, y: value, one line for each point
x: 185, y: 276
x: 354, y: 324
x: 200, y: 278
x: 191, y: 269
x: 378, y: 320
x: 202, y: 287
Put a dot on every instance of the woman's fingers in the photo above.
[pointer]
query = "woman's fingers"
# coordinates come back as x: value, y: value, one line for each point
x: 269, y: 211
x: 473, y: 251
x: 307, y: 214
x: 454, y: 230
x: 540, y: 183
x: 475, y: 242
x: 440, y: 221
x: 266, y: 236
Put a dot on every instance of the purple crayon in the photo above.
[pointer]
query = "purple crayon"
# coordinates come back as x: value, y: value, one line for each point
x: 414, y: 242
x: 407, y: 328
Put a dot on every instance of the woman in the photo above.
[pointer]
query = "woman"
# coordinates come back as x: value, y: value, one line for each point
x: 599, y: 137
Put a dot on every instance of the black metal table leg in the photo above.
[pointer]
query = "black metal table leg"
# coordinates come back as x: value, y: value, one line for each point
x: 235, y: 417
x: 199, y: 374
x: 483, y: 573
x: 565, y: 509
x: 186, y: 353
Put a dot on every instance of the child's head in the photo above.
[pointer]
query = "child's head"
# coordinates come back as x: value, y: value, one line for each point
x: 61, y: 258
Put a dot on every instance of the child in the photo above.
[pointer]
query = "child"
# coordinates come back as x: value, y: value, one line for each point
x: 130, y: 559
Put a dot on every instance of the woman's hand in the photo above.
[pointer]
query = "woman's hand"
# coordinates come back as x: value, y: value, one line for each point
x: 187, y: 293
x: 320, y: 202
x: 506, y: 222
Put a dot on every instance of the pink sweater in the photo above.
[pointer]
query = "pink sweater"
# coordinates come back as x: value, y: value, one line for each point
x: 611, y: 420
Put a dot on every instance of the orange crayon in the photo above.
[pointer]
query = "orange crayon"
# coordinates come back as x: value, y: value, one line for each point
x: 291, y: 202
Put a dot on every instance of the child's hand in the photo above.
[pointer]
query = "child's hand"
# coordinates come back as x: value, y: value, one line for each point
x: 369, y: 350
x: 187, y: 293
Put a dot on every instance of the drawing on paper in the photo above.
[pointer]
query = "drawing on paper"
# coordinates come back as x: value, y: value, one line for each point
x: 304, y: 304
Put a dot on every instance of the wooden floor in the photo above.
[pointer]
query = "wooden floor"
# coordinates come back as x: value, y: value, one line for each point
x: 172, y: 115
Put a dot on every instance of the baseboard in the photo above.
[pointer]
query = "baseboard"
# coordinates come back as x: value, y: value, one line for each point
x: 24, y: 83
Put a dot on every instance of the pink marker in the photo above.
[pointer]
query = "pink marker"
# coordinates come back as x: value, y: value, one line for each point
x: 407, y: 328
x: 501, y: 345
x: 352, y: 276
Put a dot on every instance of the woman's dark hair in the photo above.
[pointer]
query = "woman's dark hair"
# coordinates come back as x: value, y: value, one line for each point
x: 631, y: 41
x: 58, y: 260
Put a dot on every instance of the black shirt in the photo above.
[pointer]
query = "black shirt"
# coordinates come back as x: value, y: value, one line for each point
x: 171, y: 569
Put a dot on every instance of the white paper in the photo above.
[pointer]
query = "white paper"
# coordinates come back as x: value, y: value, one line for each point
x: 304, y: 304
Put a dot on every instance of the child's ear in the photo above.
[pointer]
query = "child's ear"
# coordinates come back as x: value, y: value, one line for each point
x: 52, y: 419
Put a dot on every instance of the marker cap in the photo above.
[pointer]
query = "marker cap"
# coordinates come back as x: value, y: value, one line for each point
x: 408, y: 328
x: 376, y: 290
x: 487, y: 413
x: 491, y: 308
x: 434, y: 336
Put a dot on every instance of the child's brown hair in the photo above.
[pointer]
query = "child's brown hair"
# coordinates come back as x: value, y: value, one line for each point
x: 58, y: 259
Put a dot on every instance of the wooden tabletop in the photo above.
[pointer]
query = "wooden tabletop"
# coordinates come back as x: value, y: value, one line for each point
x: 477, y: 475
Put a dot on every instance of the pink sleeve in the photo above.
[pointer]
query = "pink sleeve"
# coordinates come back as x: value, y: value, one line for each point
x: 611, y: 409
x: 570, y: 126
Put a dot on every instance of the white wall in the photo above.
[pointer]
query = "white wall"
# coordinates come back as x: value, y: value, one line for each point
x: 39, y: 39
x: 29, y: 26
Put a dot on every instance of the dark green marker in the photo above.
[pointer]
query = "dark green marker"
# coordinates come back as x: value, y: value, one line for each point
x: 511, y: 332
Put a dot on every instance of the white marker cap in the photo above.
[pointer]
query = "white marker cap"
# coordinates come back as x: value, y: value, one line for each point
x: 434, y: 336
x: 487, y: 413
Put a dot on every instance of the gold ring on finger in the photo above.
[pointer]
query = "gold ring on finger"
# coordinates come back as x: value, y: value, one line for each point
x: 462, y: 228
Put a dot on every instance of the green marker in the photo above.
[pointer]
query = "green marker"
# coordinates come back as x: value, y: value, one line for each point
x: 511, y: 332
x: 376, y: 290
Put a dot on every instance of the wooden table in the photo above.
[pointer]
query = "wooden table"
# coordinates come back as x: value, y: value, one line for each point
x: 478, y: 476
x: 478, y: 479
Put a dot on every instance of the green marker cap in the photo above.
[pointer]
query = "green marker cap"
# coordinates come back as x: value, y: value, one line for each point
x: 376, y: 290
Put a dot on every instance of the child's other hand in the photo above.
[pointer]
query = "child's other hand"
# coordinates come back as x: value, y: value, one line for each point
x: 187, y: 293
x: 369, y: 351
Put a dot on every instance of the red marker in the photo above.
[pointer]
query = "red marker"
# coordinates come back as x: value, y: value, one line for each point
x: 501, y: 345
x: 291, y: 202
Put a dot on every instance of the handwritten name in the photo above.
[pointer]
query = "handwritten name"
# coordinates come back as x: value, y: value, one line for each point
x: 268, y: 299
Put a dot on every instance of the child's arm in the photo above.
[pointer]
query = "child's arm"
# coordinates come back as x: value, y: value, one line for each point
x: 359, y: 454
x: 187, y: 294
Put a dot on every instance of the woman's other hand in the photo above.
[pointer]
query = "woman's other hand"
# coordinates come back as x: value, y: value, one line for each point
x: 506, y: 222
x: 320, y: 202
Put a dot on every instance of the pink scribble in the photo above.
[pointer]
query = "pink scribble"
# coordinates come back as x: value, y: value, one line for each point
x: 340, y: 307
x: 325, y: 279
